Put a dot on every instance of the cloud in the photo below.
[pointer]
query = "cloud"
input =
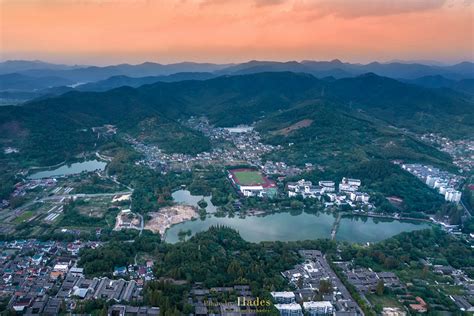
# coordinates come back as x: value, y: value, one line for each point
x: 360, y: 8
x: 257, y: 3
x: 264, y: 3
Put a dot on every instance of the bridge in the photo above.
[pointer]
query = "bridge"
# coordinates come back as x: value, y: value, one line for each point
x: 335, y: 226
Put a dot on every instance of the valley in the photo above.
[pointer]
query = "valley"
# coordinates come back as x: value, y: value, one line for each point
x: 249, y: 164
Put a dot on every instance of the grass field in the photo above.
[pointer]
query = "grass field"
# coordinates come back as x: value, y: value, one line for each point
x: 24, y: 217
x: 249, y: 177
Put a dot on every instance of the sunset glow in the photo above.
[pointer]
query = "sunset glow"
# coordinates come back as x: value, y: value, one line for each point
x: 113, y: 31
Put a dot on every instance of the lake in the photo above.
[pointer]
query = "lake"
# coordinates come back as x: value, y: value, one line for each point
x: 185, y: 197
x: 370, y: 229
x: 74, y: 168
x: 288, y: 227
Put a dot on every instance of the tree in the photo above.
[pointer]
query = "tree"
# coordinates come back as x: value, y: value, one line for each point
x: 300, y: 282
x: 380, y: 288
x: 325, y: 287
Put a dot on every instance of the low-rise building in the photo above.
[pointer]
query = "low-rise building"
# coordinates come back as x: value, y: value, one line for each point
x: 292, y: 309
x: 283, y: 297
x: 319, y: 308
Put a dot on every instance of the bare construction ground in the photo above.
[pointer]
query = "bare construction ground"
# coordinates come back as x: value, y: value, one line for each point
x: 287, y: 130
x: 126, y: 219
x: 168, y: 216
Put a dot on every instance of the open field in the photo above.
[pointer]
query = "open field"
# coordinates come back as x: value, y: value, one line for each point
x: 93, y: 207
x: 25, y: 216
x: 384, y: 300
x: 247, y: 177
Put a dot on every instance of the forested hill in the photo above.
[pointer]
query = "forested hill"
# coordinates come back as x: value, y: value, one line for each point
x: 255, y: 95
x: 58, y: 123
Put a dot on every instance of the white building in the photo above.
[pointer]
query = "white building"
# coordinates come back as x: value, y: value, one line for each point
x: 439, y: 183
x: 305, y: 189
x: 354, y: 182
x: 349, y: 185
x: 61, y: 267
x: 77, y: 272
x: 283, y: 297
x: 430, y: 180
x: 253, y: 190
x: 442, y: 190
x: 329, y: 186
x: 452, y: 195
x: 318, y: 308
x: 292, y: 309
x: 359, y: 197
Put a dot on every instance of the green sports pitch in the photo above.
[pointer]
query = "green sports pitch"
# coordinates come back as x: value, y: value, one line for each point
x: 248, y: 177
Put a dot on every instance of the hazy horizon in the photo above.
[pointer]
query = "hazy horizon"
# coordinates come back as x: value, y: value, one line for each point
x: 423, y: 62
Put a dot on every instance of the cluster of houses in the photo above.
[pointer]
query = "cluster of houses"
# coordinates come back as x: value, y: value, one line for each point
x: 282, y: 169
x: 31, y: 184
x: 444, y: 182
x: 31, y: 269
x: 348, y: 191
x: 43, y: 277
x: 247, y: 147
x: 4, y: 204
x: 463, y: 299
x: 139, y: 273
x: 366, y: 281
x: 208, y: 301
x: 461, y: 150
x: 75, y: 285
x: 318, y: 289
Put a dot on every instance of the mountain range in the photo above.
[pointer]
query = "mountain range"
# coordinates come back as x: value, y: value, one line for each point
x: 21, y: 81
x: 62, y: 123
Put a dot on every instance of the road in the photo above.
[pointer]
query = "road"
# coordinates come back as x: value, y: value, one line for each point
x: 142, y: 224
x: 466, y: 210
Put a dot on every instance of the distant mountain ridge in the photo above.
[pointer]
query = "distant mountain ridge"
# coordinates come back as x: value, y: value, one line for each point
x: 95, y: 73
x: 120, y: 81
x: 16, y: 81
x: 41, y: 79
x: 11, y: 66
x: 458, y: 71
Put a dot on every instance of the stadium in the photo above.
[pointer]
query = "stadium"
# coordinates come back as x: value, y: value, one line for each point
x: 251, y: 182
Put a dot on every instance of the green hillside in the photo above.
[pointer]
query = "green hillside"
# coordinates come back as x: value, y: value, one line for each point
x: 61, y: 125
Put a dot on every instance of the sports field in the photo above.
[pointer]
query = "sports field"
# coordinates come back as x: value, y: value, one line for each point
x: 249, y: 177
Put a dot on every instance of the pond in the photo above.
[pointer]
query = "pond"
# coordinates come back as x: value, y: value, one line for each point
x: 185, y: 197
x: 74, y: 168
x: 288, y: 227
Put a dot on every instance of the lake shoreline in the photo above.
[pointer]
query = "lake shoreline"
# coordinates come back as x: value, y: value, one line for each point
x: 57, y: 172
x: 283, y: 226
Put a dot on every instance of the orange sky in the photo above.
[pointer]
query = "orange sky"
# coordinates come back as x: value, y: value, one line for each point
x: 112, y: 31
